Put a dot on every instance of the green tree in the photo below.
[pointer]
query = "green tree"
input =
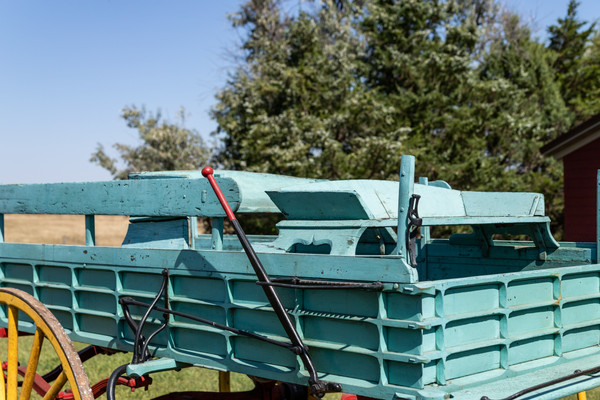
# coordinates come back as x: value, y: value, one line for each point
x: 586, y: 101
x: 576, y: 62
x: 164, y: 146
x: 478, y: 111
x: 420, y: 60
x: 342, y: 89
x: 528, y: 113
x: 297, y: 104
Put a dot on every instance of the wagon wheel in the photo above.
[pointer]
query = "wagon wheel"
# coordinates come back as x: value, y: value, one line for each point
x: 47, y: 328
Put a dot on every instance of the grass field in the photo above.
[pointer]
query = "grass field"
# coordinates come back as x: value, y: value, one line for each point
x: 110, y: 231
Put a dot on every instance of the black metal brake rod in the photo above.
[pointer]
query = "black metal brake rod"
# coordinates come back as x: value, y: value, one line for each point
x: 126, y: 301
x: 543, y: 385
x: 318, y: 388
x: 297, y: 283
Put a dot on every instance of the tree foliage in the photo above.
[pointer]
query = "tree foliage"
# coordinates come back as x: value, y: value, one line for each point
x: 296, y: 104
x: 164, y: 146
x: 576, y: 55
x: 342, y: 89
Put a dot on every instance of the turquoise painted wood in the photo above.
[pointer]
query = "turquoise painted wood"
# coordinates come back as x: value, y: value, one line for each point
x: 476, y: 316
x: 158, y: 195
x: 152, y: 197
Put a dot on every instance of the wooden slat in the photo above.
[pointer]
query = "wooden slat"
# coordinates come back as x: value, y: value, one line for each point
x: 143, y: 197
x: 90, y: 230
x: 441, y: 221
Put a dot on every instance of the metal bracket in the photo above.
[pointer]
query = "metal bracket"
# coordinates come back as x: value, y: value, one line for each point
x: 151, y: 366
x: 414, y: 222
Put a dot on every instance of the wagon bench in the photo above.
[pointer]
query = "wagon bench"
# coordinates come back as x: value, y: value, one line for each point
x: 374, y: 305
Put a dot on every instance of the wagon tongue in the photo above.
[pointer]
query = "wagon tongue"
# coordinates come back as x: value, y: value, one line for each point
x: 317, y: 387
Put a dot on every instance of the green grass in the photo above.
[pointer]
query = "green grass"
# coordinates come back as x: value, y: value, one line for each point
x: 591, y: 395
x: 187, y: 379
x: 101, y: 366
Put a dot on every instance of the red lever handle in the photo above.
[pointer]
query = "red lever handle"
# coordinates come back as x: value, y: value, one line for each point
x: 207, y: 172
x: 318, y: 387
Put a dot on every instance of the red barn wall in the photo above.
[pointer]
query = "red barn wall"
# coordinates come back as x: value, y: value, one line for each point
x: 580, y: 172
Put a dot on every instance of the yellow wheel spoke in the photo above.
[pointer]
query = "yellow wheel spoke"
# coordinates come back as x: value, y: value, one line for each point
x: 56, y: 386
x: 2, y: 385
x: 48, y: 329
x: 34, y: 357
x: 13, y: 352
x: 224, y: 381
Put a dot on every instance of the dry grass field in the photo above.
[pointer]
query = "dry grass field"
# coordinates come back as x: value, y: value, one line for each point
x: 64, y: 229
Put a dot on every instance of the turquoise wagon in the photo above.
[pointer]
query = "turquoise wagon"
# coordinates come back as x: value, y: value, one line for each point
x: 355, y: 294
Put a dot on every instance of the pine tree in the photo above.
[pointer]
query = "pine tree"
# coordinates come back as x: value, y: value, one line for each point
x: 342, y: 89
x: 420, y: 57
x: 576, y: 68
x: 523, y: 110
x: 297, y: 105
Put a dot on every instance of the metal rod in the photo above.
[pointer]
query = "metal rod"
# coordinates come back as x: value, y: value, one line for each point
x: 112, y: 381
x: 296, y: 283
x: 138, y: 353
x: 84, y: 354
x: 125, y: 301
x: 317, y: 387
x: 575, y: 374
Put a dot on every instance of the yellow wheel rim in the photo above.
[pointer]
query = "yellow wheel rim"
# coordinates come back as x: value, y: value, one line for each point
x: 47, y: 329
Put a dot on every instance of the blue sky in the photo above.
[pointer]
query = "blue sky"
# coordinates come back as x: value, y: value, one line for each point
x: 67, y: 68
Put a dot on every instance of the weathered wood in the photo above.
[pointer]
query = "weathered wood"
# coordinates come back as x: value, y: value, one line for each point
x: 252, y: 186
x: 217, y: 233
x: 143, y: 197
x: 90, y: 230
